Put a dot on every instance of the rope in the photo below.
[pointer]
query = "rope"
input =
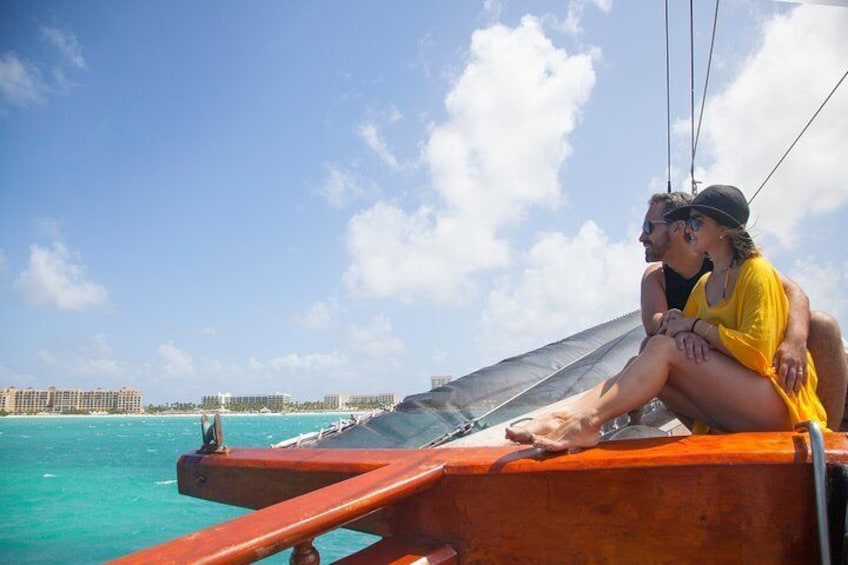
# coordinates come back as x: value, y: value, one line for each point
x: 706, y: 80
x: 815, y: 115
x: 667, y: 100
x: 692, y: 95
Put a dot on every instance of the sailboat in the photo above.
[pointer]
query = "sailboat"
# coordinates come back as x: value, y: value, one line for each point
x: 434, y: 479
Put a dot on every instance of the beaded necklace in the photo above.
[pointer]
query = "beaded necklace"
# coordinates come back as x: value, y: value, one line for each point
x: 727, y: 279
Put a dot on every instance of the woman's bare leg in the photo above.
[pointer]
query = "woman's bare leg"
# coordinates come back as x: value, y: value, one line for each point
x: 723, y: 391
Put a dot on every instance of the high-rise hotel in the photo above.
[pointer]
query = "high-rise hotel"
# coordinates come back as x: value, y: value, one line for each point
x: 65, y: 400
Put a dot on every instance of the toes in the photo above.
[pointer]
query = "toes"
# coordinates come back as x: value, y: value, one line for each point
x: 519, y: 435
x: 553, y: 445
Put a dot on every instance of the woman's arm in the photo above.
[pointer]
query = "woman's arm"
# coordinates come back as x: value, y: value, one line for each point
x: 710, y: 334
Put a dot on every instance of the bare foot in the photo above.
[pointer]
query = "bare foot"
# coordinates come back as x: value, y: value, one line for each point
x: 558, y: 432
x: 527, y: 433
x: 519, y: 435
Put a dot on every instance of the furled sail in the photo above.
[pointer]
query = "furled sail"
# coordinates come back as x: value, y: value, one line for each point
x: 497, y: 393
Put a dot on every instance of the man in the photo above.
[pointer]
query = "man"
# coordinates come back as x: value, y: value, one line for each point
x: 672, y: 273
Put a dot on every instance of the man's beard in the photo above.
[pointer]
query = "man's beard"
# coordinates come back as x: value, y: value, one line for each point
x: 656, y: 251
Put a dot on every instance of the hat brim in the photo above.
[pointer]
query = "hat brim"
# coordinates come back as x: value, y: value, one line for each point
x: 680, y: 213
x: 720, y: 216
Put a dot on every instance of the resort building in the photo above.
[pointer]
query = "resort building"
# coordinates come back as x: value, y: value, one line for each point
x: 437, y: 381
x: 70, y: 400
x: 277, y: 402
x: 336, y: 401
x: 341, y: 401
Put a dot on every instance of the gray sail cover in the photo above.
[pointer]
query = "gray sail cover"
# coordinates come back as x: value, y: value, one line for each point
x: 500, y: 392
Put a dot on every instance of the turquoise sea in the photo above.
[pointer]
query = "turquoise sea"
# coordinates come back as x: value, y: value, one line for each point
x: 89, y: 489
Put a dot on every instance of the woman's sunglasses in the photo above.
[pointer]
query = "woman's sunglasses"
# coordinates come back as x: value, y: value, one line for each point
x: 695, y: 223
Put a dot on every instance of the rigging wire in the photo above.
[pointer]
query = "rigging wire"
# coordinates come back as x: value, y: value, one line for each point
x: 667, y: 100
x: 706, y: 81
x: 692, y: 96
x: 815, y: 115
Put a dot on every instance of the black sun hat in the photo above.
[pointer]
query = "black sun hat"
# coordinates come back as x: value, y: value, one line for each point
x: 723, y: 203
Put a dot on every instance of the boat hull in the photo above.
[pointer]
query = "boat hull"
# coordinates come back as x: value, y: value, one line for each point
x: 739, y: 497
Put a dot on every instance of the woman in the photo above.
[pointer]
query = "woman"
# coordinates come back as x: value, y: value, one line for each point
x: 739, y: 309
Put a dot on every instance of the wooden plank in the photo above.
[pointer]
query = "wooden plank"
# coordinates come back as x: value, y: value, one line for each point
x: 703, y: 514
x: 265, y: 532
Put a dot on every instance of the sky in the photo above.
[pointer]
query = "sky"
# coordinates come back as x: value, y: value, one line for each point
x: 321, y: 197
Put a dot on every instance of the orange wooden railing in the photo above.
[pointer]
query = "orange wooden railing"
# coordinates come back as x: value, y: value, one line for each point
x: 296, y: 521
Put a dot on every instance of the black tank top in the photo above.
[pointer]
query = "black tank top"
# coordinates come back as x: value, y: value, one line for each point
x: 677, y: 288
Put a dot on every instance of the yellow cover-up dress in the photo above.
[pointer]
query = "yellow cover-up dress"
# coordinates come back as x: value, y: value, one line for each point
x: 751, y: 323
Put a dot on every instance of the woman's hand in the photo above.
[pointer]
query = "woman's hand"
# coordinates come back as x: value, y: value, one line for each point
x: 695, y: 347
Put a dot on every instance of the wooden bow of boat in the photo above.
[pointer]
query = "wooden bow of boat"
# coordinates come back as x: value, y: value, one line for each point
x: 740, y: 497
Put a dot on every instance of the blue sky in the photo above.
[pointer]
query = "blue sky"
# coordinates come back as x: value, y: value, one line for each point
x: 316, y: 197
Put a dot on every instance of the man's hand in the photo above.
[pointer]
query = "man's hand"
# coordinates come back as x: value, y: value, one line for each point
x: 790, y: 363
x: 667, y: 318
x: 696, y: 347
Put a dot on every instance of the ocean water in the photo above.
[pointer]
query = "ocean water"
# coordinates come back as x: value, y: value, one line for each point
x: 89, y: 489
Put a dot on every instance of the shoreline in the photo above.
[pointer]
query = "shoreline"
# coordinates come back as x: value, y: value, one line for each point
x: 193, y: 414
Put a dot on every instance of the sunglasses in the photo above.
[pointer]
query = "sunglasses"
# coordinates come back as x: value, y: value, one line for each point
x: 648, y: 225
x: 695, y: 223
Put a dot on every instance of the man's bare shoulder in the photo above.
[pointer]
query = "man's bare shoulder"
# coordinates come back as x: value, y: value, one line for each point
x: 654, y: 271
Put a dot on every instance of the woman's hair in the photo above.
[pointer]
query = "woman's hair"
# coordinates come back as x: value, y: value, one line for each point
x: 741, y: 243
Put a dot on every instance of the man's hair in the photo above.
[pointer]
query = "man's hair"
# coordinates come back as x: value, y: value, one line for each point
x: 670, y: 200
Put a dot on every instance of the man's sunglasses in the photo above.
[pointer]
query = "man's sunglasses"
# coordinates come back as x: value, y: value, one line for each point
x: 648, y: 225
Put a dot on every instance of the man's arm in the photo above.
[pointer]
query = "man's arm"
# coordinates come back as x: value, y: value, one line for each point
x: 654, y: 302
x: 790, y: 359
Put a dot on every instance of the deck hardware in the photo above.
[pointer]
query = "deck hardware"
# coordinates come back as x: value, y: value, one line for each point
x: 819, y: 472
x: 213, y: 435
x: 304, y: 554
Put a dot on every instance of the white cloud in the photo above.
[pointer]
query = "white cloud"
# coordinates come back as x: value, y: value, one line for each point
x: 310, y: 362
x: 375, y: 340
x: 55, y: 277
x: 174, y: 361
x: 371, y: 135
x: 319, y: 315
x: 497, y: 155
x: 419, y: 254
x: 67, y: 43
x: 95, y: 358
x: 750, y: 124
x: 824, y: 284
x: 494, y: 8
x: 342, y: 186
x: 23, y: 84
x: 573, y: 22
x: 567, y: 285
x: 20, y: 83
